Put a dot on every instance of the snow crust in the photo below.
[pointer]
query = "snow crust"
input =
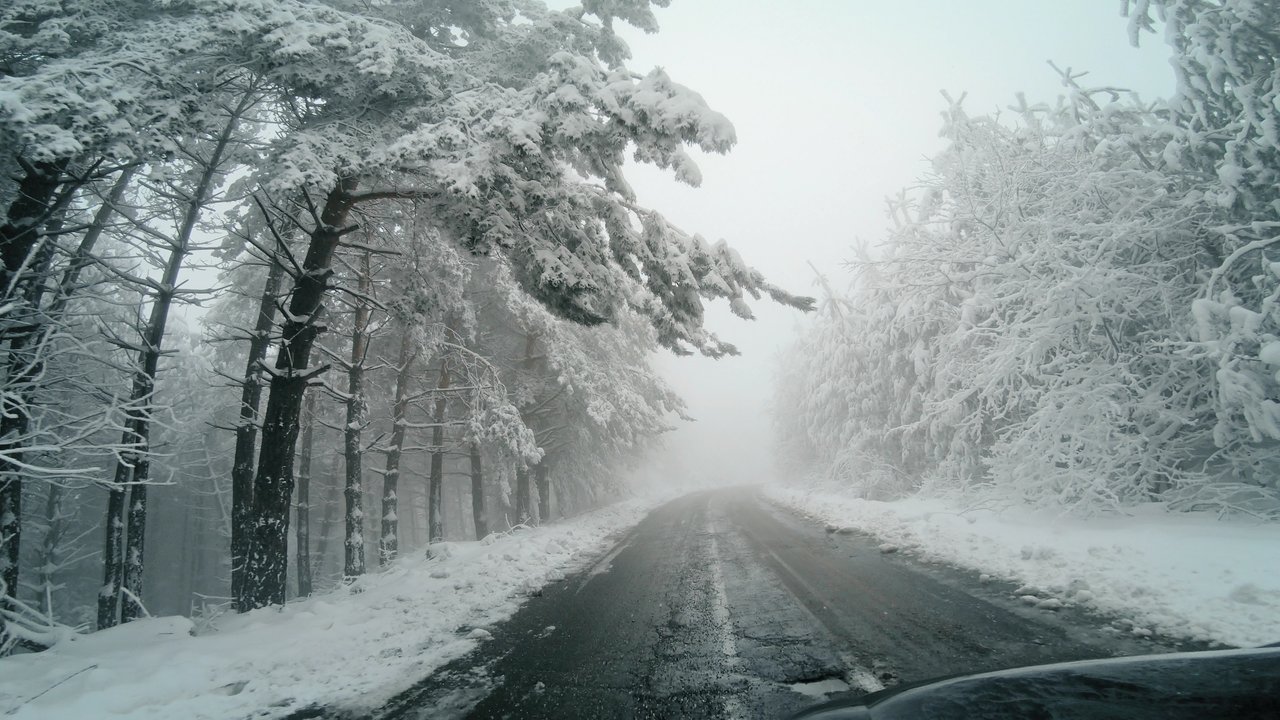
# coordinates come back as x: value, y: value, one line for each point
x: 354, y: 647
x: 1188, y: 575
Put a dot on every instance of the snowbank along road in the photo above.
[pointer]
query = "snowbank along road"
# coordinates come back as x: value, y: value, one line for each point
x: 721, y: 605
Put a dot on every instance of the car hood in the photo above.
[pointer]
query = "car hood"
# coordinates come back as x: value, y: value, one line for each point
x: 1200, y: 685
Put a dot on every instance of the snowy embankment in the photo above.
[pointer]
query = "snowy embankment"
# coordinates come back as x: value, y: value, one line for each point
x: 354, y: 647
x: 1181, y: 574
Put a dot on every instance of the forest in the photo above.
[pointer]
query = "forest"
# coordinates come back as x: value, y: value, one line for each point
x: 293, y: 287
x: 1076, y: 307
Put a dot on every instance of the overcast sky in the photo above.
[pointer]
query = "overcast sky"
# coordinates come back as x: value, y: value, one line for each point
x: 837, y: 104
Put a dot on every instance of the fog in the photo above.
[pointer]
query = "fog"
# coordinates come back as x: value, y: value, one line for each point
x: 837, y: 106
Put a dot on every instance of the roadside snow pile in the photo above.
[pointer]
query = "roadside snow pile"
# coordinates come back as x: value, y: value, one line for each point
x: 353, y: 648
x: 1182, y: 574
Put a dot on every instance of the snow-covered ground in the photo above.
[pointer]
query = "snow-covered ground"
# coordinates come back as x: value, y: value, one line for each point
x: 1186, y: 575
x: 354, y: 647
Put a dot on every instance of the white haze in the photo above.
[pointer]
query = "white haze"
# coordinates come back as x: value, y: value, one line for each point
x: 837, y: 105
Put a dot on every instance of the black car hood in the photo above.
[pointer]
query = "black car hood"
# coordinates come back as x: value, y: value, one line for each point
x: 1199, y: 685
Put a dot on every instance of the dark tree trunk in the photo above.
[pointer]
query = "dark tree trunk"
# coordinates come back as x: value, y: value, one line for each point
x: 14, y: 425
x: 247, y: 429
x: 435, y: 524
x: 268, y: 560
x: 11, y: 500
x: 389, y: 541
x: 112, y: 559
x: 134, y: 545
x: 353, y: 564
x: 522, y: 495
x: 28, y: 213
x: 544, y: 492
x: 33, y: 206
x: 302, y: 540
x: 477, y: 493
x: 10, y: 531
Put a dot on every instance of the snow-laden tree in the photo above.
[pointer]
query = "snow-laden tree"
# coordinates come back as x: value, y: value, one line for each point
x: 1028, y: 334
x: 1070, y: 309
x: 588, y: 394
x: 852, y: 386
x: 1223, y: 135
x: 513, y: 147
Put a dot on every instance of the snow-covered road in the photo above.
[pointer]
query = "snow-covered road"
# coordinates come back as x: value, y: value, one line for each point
x: 720, y: 604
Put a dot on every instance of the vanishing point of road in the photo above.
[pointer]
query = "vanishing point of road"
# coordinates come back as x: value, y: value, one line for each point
x: 722, y: 605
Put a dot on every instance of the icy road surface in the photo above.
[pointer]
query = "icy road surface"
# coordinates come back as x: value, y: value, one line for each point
x: 722, y: 605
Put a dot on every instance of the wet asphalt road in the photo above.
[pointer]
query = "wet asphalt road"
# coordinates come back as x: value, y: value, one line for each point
x: 721, y: 605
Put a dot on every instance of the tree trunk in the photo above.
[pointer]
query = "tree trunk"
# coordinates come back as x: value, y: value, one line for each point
x: 544, y: 492
x: 389, y: 542
x: 435, y: 524
x: 273, y: 481
x: 302, y: 540
x: 247, y: 429
x: 522, y: 494
x: 112, y: 559
x: 10, y: 502
x: 13, y: 429
x: 135, y: 540
x: 353, y: 564
x: 33, y: 206
x: 477, y: 494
